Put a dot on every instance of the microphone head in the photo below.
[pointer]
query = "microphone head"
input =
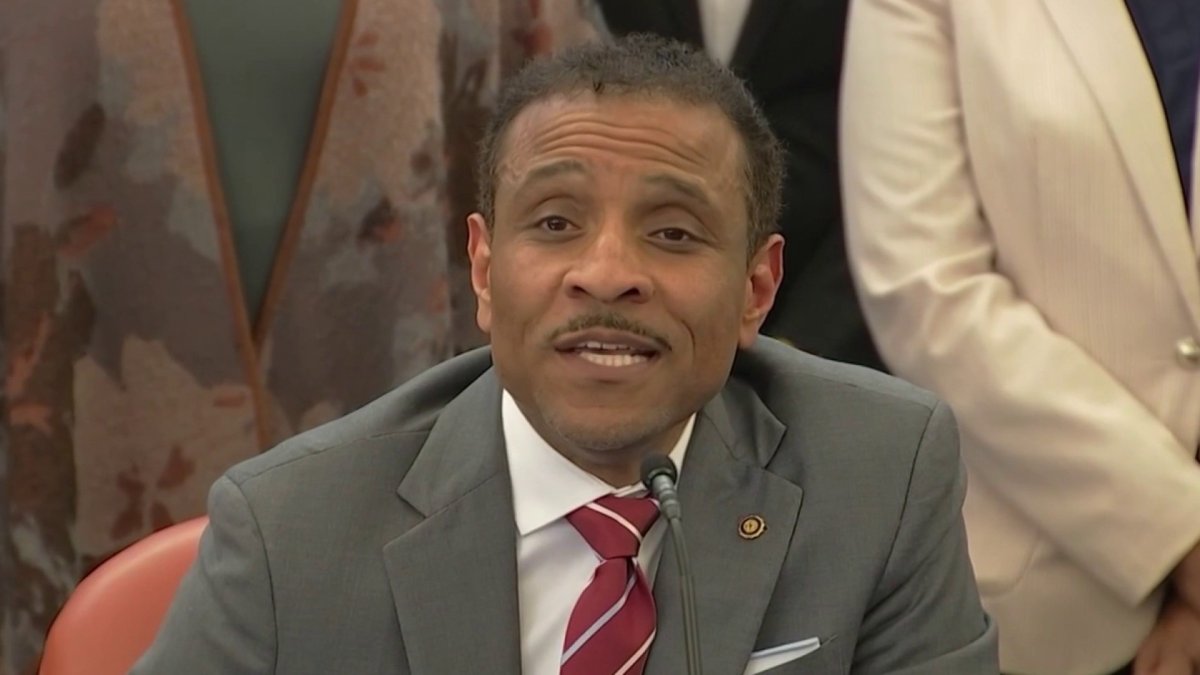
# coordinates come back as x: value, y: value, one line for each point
x: 657, y: 465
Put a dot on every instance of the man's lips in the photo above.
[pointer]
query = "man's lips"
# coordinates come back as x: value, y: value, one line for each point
x: 609, y: 348
x: 608, y: 342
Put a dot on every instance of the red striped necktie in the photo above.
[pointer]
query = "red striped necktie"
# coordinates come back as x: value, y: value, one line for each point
x: 613, y: 622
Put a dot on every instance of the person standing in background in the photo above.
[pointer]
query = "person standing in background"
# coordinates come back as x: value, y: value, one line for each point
x: 222, y: 223
x: 1017, y: 179
x: 790, y: 55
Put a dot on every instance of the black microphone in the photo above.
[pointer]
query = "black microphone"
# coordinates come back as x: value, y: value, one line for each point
x: 659, y: 475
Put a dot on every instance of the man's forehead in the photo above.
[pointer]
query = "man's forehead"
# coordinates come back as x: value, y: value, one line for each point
x: 695, y: 133
x: 696, y: 137
x: 550, y: 170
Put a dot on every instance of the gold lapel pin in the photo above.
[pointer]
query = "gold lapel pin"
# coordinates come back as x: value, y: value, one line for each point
x: 752, y: 527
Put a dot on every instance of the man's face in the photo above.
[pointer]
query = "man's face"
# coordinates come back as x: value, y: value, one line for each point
x: 615, y: 282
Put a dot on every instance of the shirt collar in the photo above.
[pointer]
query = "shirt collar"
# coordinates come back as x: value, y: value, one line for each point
x: 546, y: 486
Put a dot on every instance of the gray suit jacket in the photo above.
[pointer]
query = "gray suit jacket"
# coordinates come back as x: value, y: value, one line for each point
x: 316, y: 562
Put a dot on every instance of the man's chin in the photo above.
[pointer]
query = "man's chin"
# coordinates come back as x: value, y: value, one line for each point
x: 609, y: 431
x: 599, y: 440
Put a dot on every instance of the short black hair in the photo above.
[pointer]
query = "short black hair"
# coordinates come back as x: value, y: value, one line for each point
x: 643, y: 64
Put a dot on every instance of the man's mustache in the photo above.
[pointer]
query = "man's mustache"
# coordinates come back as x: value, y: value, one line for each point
x: 611, y: 321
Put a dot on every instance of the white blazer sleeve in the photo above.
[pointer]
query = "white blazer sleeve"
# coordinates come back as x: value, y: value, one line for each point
x: 1043, y: 423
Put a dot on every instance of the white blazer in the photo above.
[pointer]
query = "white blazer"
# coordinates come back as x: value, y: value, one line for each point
x: 1018, y: 234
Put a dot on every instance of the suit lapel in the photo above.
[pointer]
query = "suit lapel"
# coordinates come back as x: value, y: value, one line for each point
x: 759, y: 20
x: 721, y: 482
x: 1195, y: 215
x: 1108, y: 51
x: 454, y: 575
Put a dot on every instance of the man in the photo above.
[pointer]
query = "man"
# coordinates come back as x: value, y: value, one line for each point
x: 1017, y: 179
x: 470, y: 521
x: 790, y: 55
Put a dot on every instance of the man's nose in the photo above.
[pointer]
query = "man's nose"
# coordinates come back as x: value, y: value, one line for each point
x: 611, y: 268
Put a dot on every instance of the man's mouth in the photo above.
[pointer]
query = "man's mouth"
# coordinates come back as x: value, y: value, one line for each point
x: 609, y: 348
x: 611, y: 354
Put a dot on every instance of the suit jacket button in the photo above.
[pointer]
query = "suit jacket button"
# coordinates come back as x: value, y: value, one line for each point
x: 1187, y: 352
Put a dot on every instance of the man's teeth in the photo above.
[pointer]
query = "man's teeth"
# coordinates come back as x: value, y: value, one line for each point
x: 610, y: 354
x: 605, y: 346
x: 613, y: 360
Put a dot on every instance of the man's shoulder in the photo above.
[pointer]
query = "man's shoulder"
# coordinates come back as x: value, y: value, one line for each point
x: 395, y: 423
x: 791, y: 383
x: 842, y: 422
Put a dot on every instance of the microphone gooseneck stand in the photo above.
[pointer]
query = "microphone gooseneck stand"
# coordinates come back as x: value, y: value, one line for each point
x: 659, y: 475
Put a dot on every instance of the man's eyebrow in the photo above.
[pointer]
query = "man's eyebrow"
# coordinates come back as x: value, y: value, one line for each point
x: 676, y: 184
x: 554, y: 170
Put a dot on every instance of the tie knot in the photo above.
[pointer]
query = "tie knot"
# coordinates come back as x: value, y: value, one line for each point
x: 614, y: 526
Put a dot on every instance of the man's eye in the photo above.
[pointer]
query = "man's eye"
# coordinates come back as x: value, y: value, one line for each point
x: 554, y: 224
x: 674, y: 235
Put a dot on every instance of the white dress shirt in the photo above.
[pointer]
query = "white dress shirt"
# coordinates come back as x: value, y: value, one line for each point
x: 721, y: 21
x: 554, y: 563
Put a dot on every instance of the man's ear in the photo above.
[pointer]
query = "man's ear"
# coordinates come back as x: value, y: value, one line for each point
x: 762, y: 283
x: 479, y: 250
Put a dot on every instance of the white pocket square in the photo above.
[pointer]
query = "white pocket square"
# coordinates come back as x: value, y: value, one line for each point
x: 766, y: 659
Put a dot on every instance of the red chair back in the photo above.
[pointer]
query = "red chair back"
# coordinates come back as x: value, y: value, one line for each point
x: 114, y: 614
